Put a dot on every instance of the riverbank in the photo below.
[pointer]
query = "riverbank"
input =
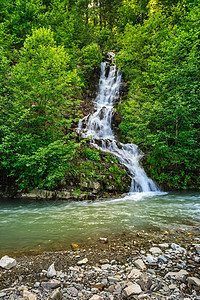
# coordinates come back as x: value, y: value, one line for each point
x: 137, y: 265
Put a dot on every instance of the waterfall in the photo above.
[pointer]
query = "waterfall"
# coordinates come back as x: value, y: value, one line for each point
x: 97, y: 127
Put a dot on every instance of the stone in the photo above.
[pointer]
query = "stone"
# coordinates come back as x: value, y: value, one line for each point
x: 82, y: 262
x: 145, y: 283
x: 113, y: 279
x: 51, y: 271
x: 72, y: 291
x: 52, y: 284
x: 75, y: 247
x: 28, y: 295
x: 56, y: 295
x: 152, y: 261
x: 178, y: 248
x: 162, y: 259
x: 143, y: 297
x: 132, y: 289
x: 177, y: 275
x: 140, y: 264
x: 155, y: 250
x: 105, y: 266
x: 103, y: 240
x: 135, y: 273
x: 7, y: 262
x: 2, y: 294
x: 95, y: 297
x: 164, y: 245
x: 194, y: 281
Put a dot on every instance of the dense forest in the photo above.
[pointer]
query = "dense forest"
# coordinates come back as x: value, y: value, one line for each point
x: 50, y: 53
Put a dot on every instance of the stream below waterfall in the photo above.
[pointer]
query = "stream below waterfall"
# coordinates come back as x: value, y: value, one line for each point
x: 51, y: 225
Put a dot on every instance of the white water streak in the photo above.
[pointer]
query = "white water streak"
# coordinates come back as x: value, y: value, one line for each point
x: 98, y: 128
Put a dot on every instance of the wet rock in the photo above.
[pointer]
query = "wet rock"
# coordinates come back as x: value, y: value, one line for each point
x: 140, y: 264
x: 7, y: 262
x: 75, y: 247
x: 103, y: 240
x: 51, y: 271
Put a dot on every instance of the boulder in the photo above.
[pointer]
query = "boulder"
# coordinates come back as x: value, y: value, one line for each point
x: 7, y: 262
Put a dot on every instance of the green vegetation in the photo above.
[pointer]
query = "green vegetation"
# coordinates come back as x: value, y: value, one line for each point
x: 50, y: 51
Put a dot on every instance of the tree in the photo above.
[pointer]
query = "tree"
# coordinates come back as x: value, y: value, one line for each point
x: 44, y: 83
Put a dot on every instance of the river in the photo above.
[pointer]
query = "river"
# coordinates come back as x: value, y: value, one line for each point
x: 53, y: 225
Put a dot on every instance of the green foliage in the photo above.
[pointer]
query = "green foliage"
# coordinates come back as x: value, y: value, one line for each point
x: 161, y: 115
x: 44, y: 83
x: 91, y: 57
x: 50, y: 52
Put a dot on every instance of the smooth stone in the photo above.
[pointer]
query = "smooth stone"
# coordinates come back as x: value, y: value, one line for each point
x: 52, y: 284
x: 162, y: 259
x: 72, y: 291
x: 178, y: 248
x: 140, y: 264
x: 132, y: 289
x: 194, y: 281
x: 135, y: 273
x: 95, y: 297
x: 51, y: 271
x: 105, y: 266
x: 29, y: 296
x: 155, y: 250
x: 152, y: 261
x: 164, y: 245
x: 82, y: 262
x: 113, y: 279
x: 56, y: 295
x: 2, y: 295
x: 143, y: 297
x: 103, y: 240
x: 7, y: 262
x: 177, y: 275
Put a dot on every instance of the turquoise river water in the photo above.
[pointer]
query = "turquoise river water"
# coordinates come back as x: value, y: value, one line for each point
x: 49, y: 225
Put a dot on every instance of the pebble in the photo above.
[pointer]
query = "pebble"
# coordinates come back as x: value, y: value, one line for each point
x: 155, y: 250
x: 51, y: 271
x: 173, y: 275
x: 140, y: 264
x: 82, y: 262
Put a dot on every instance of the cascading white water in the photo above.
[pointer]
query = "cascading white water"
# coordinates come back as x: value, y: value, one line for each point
x: 98, y: 128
